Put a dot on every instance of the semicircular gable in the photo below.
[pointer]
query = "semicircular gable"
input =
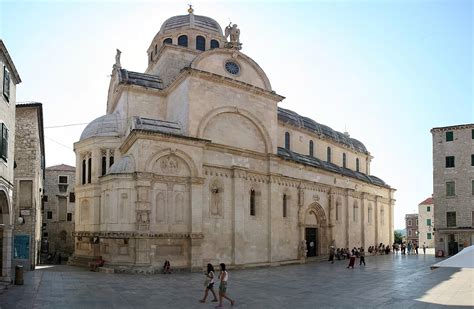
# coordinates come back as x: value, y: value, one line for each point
x: 214, y: 61
x: 172, y: 163
x: 249, y: 136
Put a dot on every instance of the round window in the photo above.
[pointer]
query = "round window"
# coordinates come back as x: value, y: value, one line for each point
x: 232, y: 67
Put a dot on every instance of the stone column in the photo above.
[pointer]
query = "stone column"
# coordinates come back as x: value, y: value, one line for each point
x: 376, y: 219
x: 391, y: 231
x: 196, y: 262
x: 302, y: 242
x: 239, y: 205
x: 347, y: 217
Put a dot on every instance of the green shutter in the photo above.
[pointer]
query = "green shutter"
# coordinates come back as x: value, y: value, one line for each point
x: 428, y: 235
x: 428, y: 222
x: 449, y: 136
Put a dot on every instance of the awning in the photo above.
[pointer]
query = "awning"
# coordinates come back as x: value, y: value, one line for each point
x: 463, y: 259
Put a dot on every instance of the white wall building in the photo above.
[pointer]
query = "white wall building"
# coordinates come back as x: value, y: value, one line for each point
x: 426, y: 223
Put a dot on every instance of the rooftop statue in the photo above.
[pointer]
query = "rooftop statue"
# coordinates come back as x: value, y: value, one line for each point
x: 234, y: 33
x: 117, y: 64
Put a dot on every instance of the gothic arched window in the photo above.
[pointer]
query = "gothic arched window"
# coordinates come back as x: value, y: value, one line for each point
x: 357, y: 165
x: 183, y: 40
x: 287, y: 140
x: 311, y: 149
x: 214, y: 44
x: 168, y: 41
x: 200, y: 43
x: 252, y: 202
x: 285, y: 202
x: 344, y: 160
x: 329, y: 154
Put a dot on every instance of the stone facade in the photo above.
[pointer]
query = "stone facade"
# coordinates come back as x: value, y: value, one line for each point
x: 453, y: 187
x: 29, y: 182
x: 9, y: 78
x: 207, y: 168
x: 411, y: 226
x: 58, y: 215
x: 426, y: 223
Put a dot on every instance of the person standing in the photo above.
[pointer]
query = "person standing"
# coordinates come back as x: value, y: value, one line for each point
x: 209, y: 284
x: 331, y: 255
x: 223, y: 277
x: 424, y: 249
x: 362, y: 256
x: 352, y: 259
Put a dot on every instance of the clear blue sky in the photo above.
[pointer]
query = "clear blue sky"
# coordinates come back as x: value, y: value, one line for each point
x: 388, y: 71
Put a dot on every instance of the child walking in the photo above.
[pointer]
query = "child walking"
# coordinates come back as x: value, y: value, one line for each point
x: 209, y: 283
x: 224, y: 276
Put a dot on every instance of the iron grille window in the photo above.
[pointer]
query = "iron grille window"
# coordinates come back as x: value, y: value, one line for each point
x: 63, y: 179
x: 49, y: 215
x: 450, y: 161
x: 69, y: 216
x: 451, y: 218
x: 72, y: 197
x: 449, y: 136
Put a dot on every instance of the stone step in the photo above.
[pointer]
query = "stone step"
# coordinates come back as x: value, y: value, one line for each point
x: 106, y: 270
x: 82, y: 261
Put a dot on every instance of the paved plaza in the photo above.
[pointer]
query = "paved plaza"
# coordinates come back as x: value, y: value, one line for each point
x: 391, y: 281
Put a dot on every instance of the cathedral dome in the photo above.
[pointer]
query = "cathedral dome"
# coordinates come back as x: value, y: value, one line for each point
x: 107, y: 125
x: 202, y: 23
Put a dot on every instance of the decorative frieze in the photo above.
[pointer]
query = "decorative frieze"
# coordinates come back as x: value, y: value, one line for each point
x: 134, y: 235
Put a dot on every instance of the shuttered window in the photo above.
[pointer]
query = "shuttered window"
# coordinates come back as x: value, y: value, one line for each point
x: 3, y: 142
x: 6, y: 84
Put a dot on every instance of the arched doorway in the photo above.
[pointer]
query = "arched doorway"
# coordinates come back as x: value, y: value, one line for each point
x: 314, y: 230
x: 4, y: 223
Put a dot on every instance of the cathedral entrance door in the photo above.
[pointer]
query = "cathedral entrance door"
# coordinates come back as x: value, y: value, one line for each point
x: 311, y: 241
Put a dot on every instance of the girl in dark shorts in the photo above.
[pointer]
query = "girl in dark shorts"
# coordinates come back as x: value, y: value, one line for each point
x: 209, y: 283
x: 223, y: 277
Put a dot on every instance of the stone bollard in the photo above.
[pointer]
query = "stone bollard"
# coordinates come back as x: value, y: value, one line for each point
x: 18, y: 275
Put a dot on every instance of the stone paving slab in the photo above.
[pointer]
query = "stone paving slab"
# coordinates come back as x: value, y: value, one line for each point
x: 389, y: 281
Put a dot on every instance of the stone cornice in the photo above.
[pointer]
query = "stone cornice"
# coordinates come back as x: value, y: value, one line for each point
x: 121, y: 235
x: 455, y: 127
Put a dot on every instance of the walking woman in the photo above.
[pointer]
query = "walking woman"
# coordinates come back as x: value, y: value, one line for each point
x: 209, y: 283
x: 223, y: 277
x: 362, y: 256
x: 352, y: 260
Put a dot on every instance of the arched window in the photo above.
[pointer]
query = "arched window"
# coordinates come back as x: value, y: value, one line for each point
x: 311, y: 149
x: 284, y: 206
x: 89, y: 170
x: 357, y: 164
x: 168, y: 41
x: 200, y: 43
x: 344, y: 160
x: 111, y: 160
x: 104, y: 165
x: 252, y: 202
x: 84, y: 172
x: 287, y: 140
x: 183, y: 40
x: 156, y: 48
x: 329, y: 154
x: 214, y: 44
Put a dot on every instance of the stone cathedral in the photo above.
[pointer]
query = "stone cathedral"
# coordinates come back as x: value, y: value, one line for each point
x: 194, y: 162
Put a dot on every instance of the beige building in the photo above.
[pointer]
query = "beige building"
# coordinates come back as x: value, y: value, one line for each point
x: 58, y: 215
x: 194, y: 162
x: 453, y: 187
x: 29, y: 180
x: 426, y: 223
x: 9, y: 78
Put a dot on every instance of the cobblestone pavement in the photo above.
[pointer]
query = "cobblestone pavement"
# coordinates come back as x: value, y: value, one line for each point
x: 391, y: 281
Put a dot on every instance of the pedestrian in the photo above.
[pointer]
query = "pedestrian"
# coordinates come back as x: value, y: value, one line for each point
x: 352, y: 259
x: 424, y: 248
x: 362, y: 256
x: 167, y: 267
x: 223, y: 277
x: 416, y: 248
x: 331, y: 255
x: 209, y: 284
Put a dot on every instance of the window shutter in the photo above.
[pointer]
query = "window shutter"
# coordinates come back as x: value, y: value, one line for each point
x: 4, y: 143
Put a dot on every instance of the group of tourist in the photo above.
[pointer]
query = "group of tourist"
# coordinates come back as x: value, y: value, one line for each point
x: 380, y: 249
x: 343, y: 253
x: 209, y: 284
